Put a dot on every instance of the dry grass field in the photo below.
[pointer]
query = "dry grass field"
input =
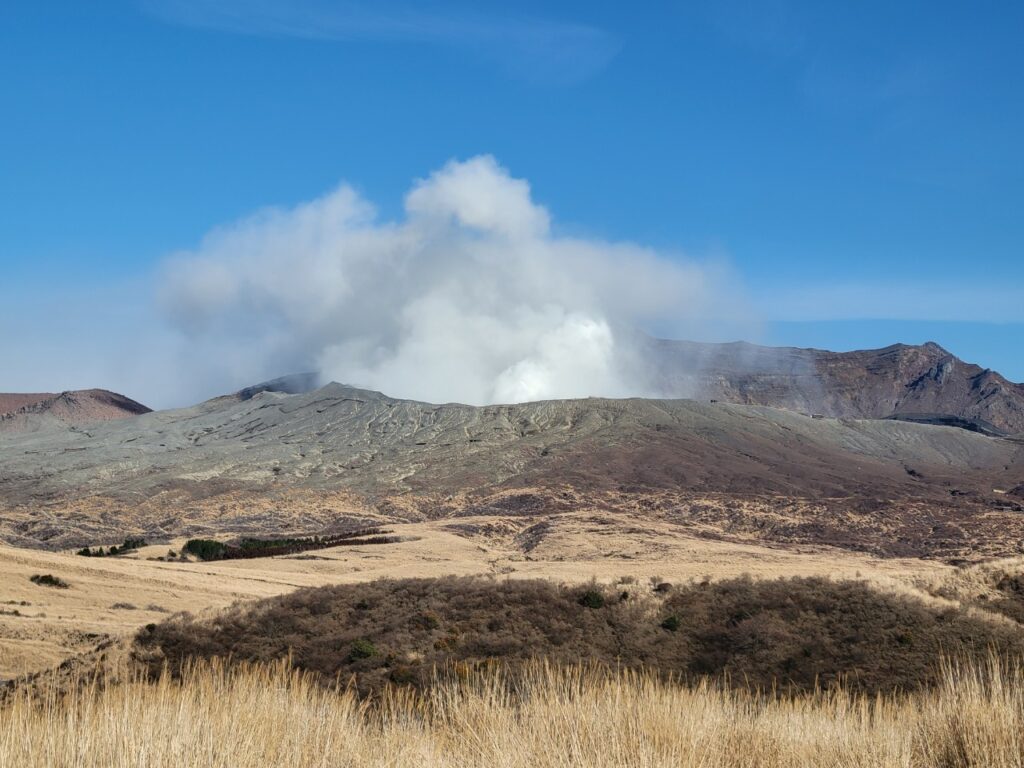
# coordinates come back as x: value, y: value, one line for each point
x: 258, y: 715
x: 111, y: 597
x: 251, y: 717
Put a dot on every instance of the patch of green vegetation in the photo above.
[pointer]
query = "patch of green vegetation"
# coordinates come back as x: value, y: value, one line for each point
x: 129, y: 545
x: 205, y: 549
x: 362, y: 649
x: 591, y: 598
x: 250, y: 543
x: 671, y: 623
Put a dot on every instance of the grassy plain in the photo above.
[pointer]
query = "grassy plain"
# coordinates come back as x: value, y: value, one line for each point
x: 258, y: 716
x: 111, y: 597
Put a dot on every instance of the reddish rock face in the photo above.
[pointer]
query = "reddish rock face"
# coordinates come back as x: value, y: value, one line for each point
x: 920, y: 383
x: 10, y: 402
x: 30, y: 412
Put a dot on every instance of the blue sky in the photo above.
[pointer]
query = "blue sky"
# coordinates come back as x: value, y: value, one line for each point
x: 858, y: 166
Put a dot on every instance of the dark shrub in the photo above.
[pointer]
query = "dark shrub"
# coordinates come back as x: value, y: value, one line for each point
x: 671, y: 623
x: 128, y: 545
x: 205, y: 549
x: 247, y: 548
x: 797, y: 631
x: 793, y: 633
x: 362, y: 649
x: 48, y: 580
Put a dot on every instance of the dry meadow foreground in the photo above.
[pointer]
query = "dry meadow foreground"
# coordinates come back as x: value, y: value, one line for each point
x: 245, y: 717
x: 111, y: 598
x: 901, y: 542
x: 239, y: 715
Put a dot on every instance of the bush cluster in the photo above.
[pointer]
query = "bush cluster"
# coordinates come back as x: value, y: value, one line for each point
x: 789, y: 633
x: 129, y: 545
x: 48, y: 580
x: 207, y: 549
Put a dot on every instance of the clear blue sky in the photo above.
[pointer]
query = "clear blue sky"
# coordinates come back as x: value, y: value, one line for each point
x: 860, y: 165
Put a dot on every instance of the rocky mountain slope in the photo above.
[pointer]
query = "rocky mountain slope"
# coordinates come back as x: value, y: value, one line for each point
x: 33, y: 412
x: 923, y: 383
x: 307, y: 461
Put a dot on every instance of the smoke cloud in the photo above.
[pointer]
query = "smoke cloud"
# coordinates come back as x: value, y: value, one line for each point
x: 472, y: 296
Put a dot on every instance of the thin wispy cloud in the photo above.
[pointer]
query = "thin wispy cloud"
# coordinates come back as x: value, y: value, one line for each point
x: 893, y: 87
x: 534, y: 48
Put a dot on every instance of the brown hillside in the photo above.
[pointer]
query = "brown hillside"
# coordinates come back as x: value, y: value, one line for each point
x: 921, y: 383
x: 32, y: 412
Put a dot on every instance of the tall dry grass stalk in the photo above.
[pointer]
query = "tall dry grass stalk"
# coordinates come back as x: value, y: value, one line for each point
x: 271, y: 716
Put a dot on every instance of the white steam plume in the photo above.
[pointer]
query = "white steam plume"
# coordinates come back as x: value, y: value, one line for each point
x: 470, y: 298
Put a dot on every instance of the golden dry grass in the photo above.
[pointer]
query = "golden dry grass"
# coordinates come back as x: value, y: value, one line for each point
x: 53, y: 624
x: 262, y: 716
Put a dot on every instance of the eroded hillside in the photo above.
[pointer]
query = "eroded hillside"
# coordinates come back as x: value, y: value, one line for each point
x: 923, y: 382
x: 337, y: 454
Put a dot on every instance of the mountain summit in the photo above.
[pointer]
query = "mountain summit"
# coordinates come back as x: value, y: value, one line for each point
x: 914, y: 383
x: 32, y: 412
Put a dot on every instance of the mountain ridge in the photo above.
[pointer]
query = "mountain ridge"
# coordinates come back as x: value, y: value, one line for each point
x: 900, y: 380
x: 282, y: 457
x: 310, y: 461
x: 923, y: 383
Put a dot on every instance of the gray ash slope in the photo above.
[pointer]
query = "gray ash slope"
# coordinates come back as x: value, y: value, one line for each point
x: 338, y: 437
x: 278, y: 457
